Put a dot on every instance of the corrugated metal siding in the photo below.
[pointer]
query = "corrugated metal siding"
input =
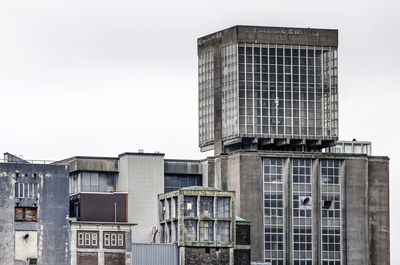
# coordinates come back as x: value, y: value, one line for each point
x: 154, y: 254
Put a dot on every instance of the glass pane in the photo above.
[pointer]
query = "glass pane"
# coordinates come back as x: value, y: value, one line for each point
x: 206, y: 230
x: 190, y: 206
x: 223, y: 231
x: 223, y: 207
x: 206, y: 206
x: 190, y: 232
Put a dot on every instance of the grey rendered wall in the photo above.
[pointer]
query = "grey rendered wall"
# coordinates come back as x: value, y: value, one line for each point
x: 356, y: 208
x: 155, y: 254
x: 52, y: 225
x: 6, y: 217
x: 243, y: 174
x: 142, y: 176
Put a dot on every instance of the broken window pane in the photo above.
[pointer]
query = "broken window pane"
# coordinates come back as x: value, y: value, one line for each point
x: 206, y: 206
x: 190, y: 233
x: 206, y: 230
x: 107, y: 239
x: 190, y: 208
x: 223, y: 231
x: 223, y: 207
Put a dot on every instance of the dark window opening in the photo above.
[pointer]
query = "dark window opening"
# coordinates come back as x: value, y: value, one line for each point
x: 327, y: 205
x: 32, y: 261
x: 207, y: 250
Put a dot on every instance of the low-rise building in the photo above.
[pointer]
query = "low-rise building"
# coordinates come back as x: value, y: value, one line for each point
x: 100, y: 243
x: 201, y: 221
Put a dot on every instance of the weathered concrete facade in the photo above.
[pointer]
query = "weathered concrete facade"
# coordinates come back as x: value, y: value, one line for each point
x: 364, y: 201
x: 201, y: 221
x: 34, y: 214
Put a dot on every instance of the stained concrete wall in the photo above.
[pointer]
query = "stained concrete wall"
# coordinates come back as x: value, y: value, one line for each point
x: 52, y: 203
x: 214, y: 256
x: 378, y: 209
x: 83, y: 163
x: 273, y: 35
x: 142, y: 176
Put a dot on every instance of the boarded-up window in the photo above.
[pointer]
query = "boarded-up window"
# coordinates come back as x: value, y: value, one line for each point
x: 28, y: 214
x: 84, y: 258
x: 114, y: 258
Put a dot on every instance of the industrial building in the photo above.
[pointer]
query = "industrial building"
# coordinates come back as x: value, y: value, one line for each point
x: 34, y: 212
x: 268, y: 106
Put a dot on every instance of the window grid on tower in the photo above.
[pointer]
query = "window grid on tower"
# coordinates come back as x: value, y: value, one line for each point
x: 302, y: 211
x: 206, y: 96
x: 287, y: 90
x: 229, y: 90
x: 330, y: 212
x: 274, y: 247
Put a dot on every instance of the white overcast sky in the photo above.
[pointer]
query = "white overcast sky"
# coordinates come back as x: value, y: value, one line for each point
x: 104, y: 77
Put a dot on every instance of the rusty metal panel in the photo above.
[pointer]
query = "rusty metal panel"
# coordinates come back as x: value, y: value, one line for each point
x: 155, y: 254
x: 86, y: 258
x: 114, y: 258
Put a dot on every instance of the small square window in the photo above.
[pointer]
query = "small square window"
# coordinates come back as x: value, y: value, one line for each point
x: 80, y: 239
x: 87, y: 239
x: 113, y: 239
x: 120, y: 240
x: 107, y: 239
x: 94, y: 239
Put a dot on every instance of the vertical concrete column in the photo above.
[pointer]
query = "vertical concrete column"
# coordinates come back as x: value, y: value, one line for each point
x: 378, y: 210
x: 316, y: 212
x: 218, y: 146
x: 287, y: 207
x: 223, y: 172
x: 357, y: 211
x: 343, y: 211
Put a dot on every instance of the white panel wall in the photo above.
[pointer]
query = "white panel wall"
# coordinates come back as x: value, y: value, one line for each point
x: 143, y: 175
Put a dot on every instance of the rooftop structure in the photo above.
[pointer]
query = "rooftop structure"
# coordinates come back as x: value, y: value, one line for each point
x: 351, y: 147
x: 268, y: 88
